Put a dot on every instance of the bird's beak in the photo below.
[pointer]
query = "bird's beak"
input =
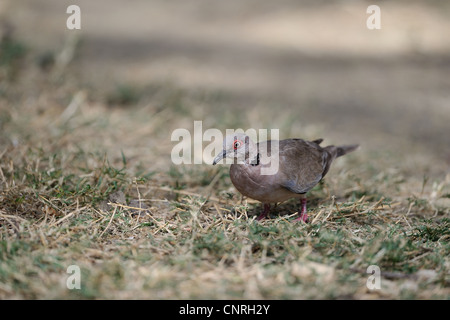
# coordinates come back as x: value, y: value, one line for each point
x: 219, y: 157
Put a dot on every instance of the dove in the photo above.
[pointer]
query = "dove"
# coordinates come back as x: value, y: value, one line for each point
x: 299, y: 166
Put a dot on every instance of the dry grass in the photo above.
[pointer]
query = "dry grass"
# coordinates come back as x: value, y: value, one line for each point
x: 168, y: 233
x: 86, y: 179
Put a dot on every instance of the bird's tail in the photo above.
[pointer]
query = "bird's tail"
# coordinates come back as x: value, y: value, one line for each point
x: 333, y: 152
x: 341, y: 150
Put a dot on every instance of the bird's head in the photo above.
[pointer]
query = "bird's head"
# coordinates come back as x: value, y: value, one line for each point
x: 240, y: 147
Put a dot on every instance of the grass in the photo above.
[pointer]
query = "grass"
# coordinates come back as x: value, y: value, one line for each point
x: 95, y: 187
x: 12, y: 53
x: 178, y: 244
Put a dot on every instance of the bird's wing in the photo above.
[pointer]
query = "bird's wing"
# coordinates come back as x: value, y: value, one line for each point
x: 302, y: 164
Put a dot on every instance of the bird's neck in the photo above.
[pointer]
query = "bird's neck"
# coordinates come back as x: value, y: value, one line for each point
x: 255, y: 161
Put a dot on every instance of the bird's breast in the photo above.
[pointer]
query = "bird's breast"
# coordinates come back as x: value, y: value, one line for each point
x: 249, y: 181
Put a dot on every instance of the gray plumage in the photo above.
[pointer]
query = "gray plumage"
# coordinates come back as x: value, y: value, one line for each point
x: 302, y: 164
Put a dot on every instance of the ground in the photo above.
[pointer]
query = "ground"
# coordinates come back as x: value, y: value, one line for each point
x: 86, y: 176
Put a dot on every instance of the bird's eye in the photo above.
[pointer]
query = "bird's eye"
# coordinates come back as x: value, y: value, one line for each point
x: 236, y: 144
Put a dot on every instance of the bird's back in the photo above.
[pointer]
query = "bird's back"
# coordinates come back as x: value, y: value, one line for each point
x: 302, y: 164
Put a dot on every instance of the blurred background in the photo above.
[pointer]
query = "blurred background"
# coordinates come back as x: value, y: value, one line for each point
x: 86, y: 118
x: 309, y: 68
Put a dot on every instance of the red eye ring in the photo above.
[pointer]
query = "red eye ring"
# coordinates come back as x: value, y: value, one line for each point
x: 237, y: 144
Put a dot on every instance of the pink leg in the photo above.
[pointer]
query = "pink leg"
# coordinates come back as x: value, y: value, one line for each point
x: 265, y: 212
x: 303, y: 215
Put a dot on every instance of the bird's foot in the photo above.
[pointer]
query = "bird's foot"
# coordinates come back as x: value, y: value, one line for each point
x: 261, y: 216
x: 303, y: 215
x: 265, y: 212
